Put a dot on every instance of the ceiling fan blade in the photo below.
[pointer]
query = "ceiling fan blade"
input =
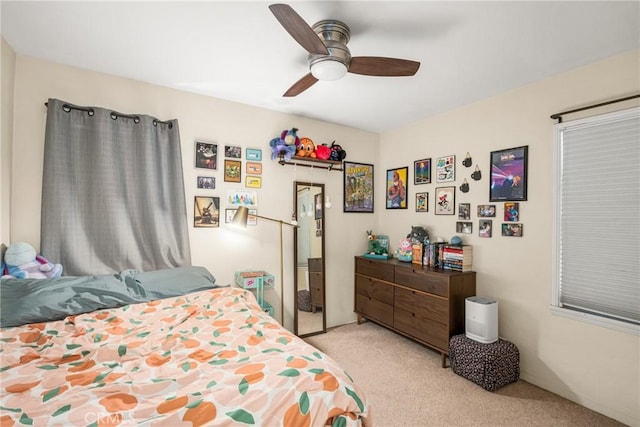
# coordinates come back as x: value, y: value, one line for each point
x: 380, y: 66
x: 299, y: 29
x: 301, y: 85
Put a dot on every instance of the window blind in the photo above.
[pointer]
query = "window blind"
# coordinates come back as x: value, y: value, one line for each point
x: 597, y: 214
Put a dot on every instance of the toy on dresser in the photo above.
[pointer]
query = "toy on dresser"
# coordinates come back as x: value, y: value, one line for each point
x: 378, y: 246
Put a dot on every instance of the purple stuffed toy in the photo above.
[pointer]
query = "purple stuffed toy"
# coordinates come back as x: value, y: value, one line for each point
x: 22, y: 262
x: 286, y: 145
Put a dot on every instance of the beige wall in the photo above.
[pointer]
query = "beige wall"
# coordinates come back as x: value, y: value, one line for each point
x: 594, y: 366
x: 221, y: 250
x: 6, y: 138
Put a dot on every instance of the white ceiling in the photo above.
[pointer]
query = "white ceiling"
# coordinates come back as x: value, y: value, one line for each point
x: 238, y: 51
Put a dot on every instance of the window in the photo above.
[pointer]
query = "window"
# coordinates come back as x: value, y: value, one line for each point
x: 596, y: 271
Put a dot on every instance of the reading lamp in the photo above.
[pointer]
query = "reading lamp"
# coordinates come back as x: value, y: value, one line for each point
x: 240, y: 220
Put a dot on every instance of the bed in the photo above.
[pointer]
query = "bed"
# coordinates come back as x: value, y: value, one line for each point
x: 161, y: 348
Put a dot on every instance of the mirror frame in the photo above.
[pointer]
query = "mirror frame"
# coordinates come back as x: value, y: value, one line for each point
x: 295, y: 261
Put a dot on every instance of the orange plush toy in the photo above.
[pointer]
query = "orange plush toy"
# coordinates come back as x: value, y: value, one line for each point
x: 306, y: 148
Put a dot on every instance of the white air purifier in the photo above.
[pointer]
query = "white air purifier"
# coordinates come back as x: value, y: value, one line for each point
x: 481, y: 319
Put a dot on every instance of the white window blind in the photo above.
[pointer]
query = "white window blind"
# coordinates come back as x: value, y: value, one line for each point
x: 597, y: 217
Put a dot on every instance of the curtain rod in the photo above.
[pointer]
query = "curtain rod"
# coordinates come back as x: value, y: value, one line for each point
x: 558, y: 116
x: 114, y: 115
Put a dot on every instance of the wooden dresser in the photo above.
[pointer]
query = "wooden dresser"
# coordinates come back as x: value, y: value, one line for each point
x: 422, y: 303
x: 316, y: 283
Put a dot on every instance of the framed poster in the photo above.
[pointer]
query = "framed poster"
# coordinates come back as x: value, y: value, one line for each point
x: 464, y: 227
x: 464, y: 211
x: 422, y: 202
x: 251, y: 218
x: 445, y: 200
x: 254, y: 154
x: 233, y: 151
x: 484, y: 227
x: 486, y: 211
x: 508, y: 175
x: 446, y: 169
x: 207, y: 182
x: 358, y: 187
x: 206, y: 155
x: 232, y: 170
x: 512, y: 229
x: 253, y: 181
x: 253, y: 168
x: 422, y: 171
x: 511, y: 211
x: 397, y: 188
x: 206, y: 211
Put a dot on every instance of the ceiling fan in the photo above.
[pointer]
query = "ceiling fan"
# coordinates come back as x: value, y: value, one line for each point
x: 329, y: 58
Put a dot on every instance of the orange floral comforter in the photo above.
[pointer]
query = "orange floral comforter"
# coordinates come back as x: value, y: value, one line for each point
x: 207, y: 358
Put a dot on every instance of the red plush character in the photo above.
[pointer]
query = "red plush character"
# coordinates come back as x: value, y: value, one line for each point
x: 323, y: 151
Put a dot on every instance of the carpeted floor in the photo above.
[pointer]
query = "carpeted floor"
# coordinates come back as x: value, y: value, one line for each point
x: 406, y: 386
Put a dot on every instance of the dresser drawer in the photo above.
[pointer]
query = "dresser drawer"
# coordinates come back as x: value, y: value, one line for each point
x: 374, y: 309
x: 377, y: 269
x: 315, y: 279
x: 429, y: 331
x: 316, y: 296
x: 437, y: 284
x: 315, y: 264
x: 374, y: 289
x: 421, y: 305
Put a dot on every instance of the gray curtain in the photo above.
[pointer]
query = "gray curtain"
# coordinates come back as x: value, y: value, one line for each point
x: 113, y: 192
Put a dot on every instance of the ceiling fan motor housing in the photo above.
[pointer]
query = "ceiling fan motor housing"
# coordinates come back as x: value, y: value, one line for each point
x: 335, y: 35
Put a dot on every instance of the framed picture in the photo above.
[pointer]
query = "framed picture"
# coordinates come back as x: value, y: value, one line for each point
x: 464, y: 211
x: 511, y: 211
x: 508, y: 175
x: 397, y: 188
x: 206, y: 155
x: 253, y: 168
x: 422, y: 202
x: 232, y: 170
x: 484, y: 227
x: 254, y: 154
x: 242, y: 198
x: 206, y: 211
x: 464, y: 227
x: 358, y: 187
x: 233, y: 151
x: 445, y: 200
x: 253, y: 181
x: 486, y: 211
x: 317, y: 206
x: 251, y: 218
x: 512, y: 229
x: 446, y: 169
x: 422, y: 171
x: 207, y: 182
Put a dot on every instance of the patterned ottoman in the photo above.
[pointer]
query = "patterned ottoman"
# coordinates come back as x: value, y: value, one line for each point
x: 491, y: 366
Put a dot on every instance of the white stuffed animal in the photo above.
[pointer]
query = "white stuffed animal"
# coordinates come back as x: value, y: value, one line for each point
x: 22, y: 262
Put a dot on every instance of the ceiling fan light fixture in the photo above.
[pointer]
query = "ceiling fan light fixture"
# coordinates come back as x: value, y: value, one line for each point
x: 328, y: 70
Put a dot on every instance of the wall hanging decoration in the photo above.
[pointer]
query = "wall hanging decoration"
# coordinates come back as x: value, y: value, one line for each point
x: 476, y: 175
x: 253, y: 181
x: 206, y: 182
x: 206, y: 211
x: 465, y: 186
x: 422, y: 202
x: 467, y: 160
x: 242, y: 198
x: 422, y: 171
x: 233, y: 151
x: 512, y: 230
x: 397, y: 188
x: 254, y: 154
x: 253, y: 168
x: 229, y: 214
x: 206, y: 155
x: 511, y: 211
x: 445, y: 200
x: 464, y: 211
x: 464, y: 227
x: 446, y: 169
x: 486, y: 211
x: 232, y: 170
x: 358, y: 187
x: 484, y: 227
x: 508, y: 175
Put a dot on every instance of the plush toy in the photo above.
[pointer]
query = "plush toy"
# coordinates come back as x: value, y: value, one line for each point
x: 404, y: 252
x: 286, y: 145
x: 418, y: 235
x: 323, y: 151
x: 306, y: 148
x: 22, y: 262
x: 337, y: 153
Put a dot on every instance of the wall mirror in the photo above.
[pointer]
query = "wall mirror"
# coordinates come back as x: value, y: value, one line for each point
x: 309, y: 284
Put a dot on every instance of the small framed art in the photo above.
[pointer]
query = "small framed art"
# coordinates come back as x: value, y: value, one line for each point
x: 464, y: 227
x: 397, y: 188
x: 251, y: 218
x: 446, y: 169
x: 484, y: 227
x: 464, y: 211
x: 233, y: 151
x: 207, y: 182
x: 358, y: 187
x: 445, y: 200
x: 206, y: 211
x: 317, y: 206
x: 512, y: 229
x: 511, y: 211
x: 232, y: 170
x: 253, y: 168
x: 422, y: 202
x: 422, y: 171
x: 254, y: 154
x: 253, y: 181
x: 508, y: 175
x: 486, y: 211
x: 206, y: 155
